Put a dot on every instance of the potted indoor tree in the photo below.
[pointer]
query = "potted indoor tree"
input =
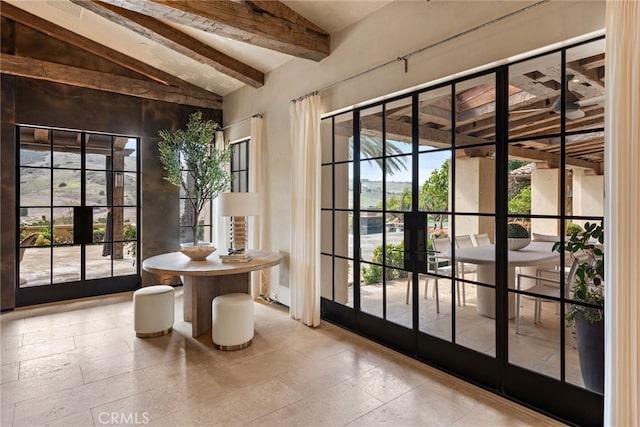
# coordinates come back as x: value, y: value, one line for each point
x: 192, y: 161
x: 588, y: 288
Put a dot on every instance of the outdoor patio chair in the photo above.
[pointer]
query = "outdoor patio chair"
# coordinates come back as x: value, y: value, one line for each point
x: 545, y: 286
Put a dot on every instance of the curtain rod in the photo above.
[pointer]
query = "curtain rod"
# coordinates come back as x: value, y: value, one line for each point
x: 406, y: 57
x: 241, y: 121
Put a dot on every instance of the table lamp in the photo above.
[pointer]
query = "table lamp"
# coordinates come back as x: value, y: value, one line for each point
x: 238, y: 206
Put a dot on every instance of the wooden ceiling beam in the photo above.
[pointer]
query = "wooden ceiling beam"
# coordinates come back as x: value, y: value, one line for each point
x: 176, y: 40
x: 73, y: 76
x: 552, y: 159
x: 280, y: 10
x: 59, y: 33
x: 239, y: 21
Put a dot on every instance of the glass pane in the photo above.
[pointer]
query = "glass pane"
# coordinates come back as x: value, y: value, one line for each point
x: 63, y: 226
x: 371, y: 184
x: 435, y: 119
x: 371, y: 132
x: 434, y: 298
x: 585, y: 187
x: 371, y: 226
x: 243, y: 155
x: 327, y: 187
x: 35, y: 264
x: 189, y: 180
x: 66, y: 264
x: 534, y: 97
x: 67, y: 148
x: 584, y: 350
x: 326, y: 277
x: 534, y: 186
x: 130, y: 189
x: 35, y: 147
x: 343, y: 234
x: 35, y: 187
x: 394, y: 232
x: 130, y: 228
x: 398, y: 133
x: 235, y: 157
x: 475, y: 179
x: 475, y: 262
x: 125, y: 264
x: 239, y: 183
x: 573, y: 371
x: 124, y: 154
x: 343, y: 281
x: 98, y: 151
x: 475, y: 110
x: 343, y: 182
x: 371, y: 289
x: 326, y: 224
x: 585, y: 75
x: 96, y: 188
x: 434, y: 183
x: 100, y: 217
x: 398, y: 183
x: 397, y: 288
x: 326, y: 140
x: 98, y: 260
x: 534, y: 339
x: 66, y: 187
x: 344, y: 137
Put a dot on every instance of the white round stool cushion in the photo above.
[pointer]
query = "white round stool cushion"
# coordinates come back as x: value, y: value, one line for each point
x: 232, y: 321
x: 153, y: 311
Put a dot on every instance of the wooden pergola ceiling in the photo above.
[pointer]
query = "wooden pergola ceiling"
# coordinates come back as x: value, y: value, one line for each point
x: 269, y: 24
x: 531, y: 117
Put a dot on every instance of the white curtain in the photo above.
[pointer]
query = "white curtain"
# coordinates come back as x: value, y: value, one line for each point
x: 259, y: 281
x: 304, y: 118
x: 219, y: 234
x: 622, y: 189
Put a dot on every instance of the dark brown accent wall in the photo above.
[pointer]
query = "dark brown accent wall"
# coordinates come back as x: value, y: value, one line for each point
x: 26, y: 101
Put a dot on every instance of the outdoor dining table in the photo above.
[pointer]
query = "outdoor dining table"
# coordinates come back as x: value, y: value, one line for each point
x: 534, y: 255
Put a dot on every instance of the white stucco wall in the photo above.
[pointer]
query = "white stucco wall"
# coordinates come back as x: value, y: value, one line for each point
x: 395, y: 30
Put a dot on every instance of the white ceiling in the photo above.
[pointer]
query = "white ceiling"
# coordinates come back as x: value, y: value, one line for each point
x: 332, y: 16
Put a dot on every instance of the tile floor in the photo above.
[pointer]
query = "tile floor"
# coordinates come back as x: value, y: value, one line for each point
x: 79, y: 364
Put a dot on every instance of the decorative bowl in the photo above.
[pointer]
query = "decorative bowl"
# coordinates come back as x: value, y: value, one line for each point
x: 516, y: 243
x: 199, y: 252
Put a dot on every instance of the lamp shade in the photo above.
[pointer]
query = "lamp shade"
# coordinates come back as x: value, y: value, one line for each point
x: 238, y: 204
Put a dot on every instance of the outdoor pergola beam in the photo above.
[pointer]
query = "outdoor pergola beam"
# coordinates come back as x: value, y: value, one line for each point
x: 176, y: 40
x: 57, y: 32
x: 239, y: 21
x: 73, y: 76
x: 552, y: 159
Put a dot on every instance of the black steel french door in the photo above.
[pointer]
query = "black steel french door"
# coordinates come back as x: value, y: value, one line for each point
x: 78, y: 198
x: 411, y: 182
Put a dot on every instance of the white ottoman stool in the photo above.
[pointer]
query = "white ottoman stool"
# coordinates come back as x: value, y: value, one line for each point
x: 153, y: 311
x: 232, y: 321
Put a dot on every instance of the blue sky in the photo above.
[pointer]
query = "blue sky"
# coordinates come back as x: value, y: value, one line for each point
x: 427, y: 163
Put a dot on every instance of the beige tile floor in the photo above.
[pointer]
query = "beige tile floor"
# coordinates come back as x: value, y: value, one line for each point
x: 79, y: 364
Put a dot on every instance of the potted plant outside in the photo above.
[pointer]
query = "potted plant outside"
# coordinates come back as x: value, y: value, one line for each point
x: 588, y: 288
x: 518, y: 236
x: 192, y: 161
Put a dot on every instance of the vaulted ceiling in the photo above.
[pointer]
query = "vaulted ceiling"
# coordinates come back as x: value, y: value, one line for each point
x: 192, y: 52
x: 195, y: 52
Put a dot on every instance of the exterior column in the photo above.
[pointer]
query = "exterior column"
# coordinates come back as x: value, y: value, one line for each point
x: 475, y: 192
x: 545, y: 200
x: 588, y: 194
